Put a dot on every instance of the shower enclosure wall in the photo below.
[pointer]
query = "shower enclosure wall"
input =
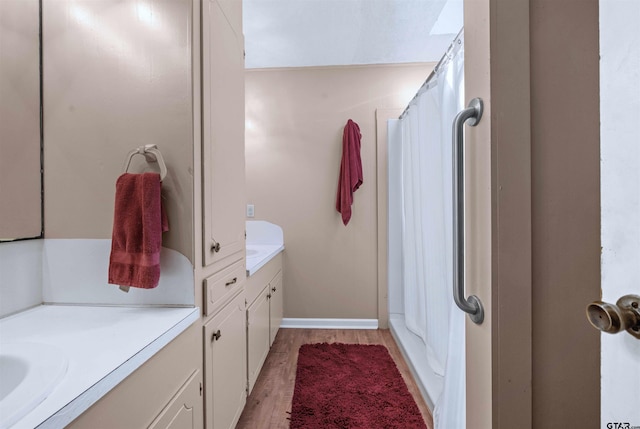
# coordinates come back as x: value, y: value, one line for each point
x: 423, y: 317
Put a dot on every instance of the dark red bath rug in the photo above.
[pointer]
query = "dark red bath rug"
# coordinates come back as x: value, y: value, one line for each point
x: 351, y: 386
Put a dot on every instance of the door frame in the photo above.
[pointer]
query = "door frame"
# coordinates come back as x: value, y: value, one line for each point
x: 382, y: 201
x: 498, y: 214
x: 533, y: 213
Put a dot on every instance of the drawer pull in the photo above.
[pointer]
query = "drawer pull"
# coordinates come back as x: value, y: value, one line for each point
x: 216, y: 336
x: 234, y: 281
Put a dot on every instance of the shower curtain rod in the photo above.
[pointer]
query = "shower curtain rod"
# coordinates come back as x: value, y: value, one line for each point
x: 445, y: 58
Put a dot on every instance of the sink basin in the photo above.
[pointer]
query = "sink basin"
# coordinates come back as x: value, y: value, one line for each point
x: 259, y: 254
x: 12, y: 372
x: 259, y: 251
x: 29, y: 373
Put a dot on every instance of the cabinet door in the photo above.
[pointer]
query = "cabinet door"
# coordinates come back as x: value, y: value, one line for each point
x: 257, y: 335
x: 223, y: 135
x: 225, y: 365
x: 185, y: 409
x: 276, y: 306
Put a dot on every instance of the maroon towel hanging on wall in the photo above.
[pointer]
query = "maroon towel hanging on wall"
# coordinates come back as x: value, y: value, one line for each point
x: 139, y: 221
x: 350, y: 170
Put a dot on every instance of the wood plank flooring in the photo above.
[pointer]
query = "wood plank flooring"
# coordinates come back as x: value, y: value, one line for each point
x: 270, y: 401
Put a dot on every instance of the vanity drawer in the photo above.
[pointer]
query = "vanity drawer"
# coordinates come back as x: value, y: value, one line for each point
x: 221, y: 287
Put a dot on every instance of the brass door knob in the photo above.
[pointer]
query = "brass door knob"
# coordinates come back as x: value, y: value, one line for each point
x: 624, y: 315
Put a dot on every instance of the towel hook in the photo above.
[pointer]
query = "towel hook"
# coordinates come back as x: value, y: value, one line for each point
x: 152, y: 154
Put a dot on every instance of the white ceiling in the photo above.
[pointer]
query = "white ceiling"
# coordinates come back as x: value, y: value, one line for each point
x: 299, y: 33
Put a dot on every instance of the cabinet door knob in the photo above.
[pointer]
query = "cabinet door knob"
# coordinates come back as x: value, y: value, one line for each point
x: 216, y: 336
x: 269, y: 296
x: 229, y: 283
x: 215, y: 247
x: 273, y: 289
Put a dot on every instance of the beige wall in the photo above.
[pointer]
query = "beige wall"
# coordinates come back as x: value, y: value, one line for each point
x: 295, y: 119
x: 20, y: 196
x: 117, y: 75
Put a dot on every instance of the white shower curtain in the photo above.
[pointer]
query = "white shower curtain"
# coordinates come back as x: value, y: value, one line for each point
x: 427, y: 235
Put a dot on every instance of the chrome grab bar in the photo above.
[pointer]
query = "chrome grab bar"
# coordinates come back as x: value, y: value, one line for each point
x: 472, y: 305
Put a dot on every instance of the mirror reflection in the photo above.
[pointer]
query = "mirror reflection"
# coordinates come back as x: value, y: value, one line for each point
x: 20, y: 143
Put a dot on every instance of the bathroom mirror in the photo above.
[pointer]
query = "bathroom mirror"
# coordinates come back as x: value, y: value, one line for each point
x: 20, y: 101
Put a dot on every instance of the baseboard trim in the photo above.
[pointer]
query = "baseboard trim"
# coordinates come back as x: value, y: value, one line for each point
x: 329, y: 323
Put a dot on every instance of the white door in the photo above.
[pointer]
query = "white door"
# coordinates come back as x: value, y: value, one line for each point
x: 620, y: 200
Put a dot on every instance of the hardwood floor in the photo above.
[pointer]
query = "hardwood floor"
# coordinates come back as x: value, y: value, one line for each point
x: 270, y: 401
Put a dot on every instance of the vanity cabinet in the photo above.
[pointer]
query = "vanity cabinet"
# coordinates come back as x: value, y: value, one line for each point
x: 275, y: 306
x: 223, y: 130
x: 264, y: 315
x: 257, y: 336
x: 165, y: 392
x: 225, y: 366
x: 185, y: 410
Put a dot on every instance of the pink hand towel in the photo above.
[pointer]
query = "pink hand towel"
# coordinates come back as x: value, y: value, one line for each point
x: 138, y: 224
x: 350, y: 170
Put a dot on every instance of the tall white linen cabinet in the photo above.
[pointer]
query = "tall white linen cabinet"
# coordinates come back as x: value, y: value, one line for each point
x: 223, y: 222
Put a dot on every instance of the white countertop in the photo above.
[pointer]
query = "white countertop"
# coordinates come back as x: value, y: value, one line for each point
x: 104, y: 345
x: 259, y: 254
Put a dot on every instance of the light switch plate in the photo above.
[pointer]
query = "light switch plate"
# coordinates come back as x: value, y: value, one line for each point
x: 250, y: 210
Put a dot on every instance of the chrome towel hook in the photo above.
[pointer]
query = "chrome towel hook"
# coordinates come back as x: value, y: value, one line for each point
x: 152, y: 154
